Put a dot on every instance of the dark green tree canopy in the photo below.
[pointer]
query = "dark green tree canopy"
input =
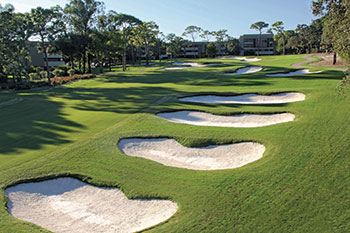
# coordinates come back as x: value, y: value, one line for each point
x: 337, y: 21
x: 259, y: 26
x: 82, y: 14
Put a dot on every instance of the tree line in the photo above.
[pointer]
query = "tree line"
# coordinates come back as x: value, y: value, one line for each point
x: 328, y: 33
x: 84, y: 34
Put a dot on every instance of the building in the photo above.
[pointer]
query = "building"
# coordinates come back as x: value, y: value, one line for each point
x: 38, y: 59
x: 250, y: 44
x: 198, y: 49
x: 195, y: 49
x: 190, y: 50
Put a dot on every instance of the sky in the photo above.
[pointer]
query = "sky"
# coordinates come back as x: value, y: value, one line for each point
x: 173, y: 16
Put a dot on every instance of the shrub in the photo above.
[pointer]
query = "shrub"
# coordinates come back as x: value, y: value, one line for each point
x: 34, y: 76
x: 43, y: 74
x: 211, y: 50
x: 62, y: 80
x: 71, y: 72
x: 58, y: 72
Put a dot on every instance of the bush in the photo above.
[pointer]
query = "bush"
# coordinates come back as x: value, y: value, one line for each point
x: 58, y: 72
x: 43, y: 74
x: 211, y: 50
x: 34, y: 76
x: 62, y: 80
x: 71, y: 72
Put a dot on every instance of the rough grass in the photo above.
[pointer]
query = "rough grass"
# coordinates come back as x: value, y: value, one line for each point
x: 302, y: 184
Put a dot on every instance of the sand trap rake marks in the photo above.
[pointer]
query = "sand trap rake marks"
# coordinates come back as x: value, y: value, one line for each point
x: 69, y: 205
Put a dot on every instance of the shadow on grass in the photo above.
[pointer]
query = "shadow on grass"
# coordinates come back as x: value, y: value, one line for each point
x: 39, y: 121
x: 33, y: 123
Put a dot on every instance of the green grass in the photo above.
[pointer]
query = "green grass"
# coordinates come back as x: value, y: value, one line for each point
x: 302, y: 184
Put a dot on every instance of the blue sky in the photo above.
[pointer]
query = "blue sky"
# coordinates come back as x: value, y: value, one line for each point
x: 175, y: 15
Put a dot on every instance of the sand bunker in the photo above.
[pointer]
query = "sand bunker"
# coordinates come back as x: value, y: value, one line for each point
x: 286, y: 97
x: 252, y: 59
x: 176, y: 68
x: 298, y: 72
x: 246, y: 70
x: 185, y: 65
x: 239, y: 121
x: 69, y: 205
x: 171, y: 153
x: 242, y: 59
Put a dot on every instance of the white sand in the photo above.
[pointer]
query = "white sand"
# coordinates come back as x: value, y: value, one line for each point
x: 246, y: 70
x: 171, y: 153
x: 69, y: 205
x: 242, y: 59
x: 239, y: 121
x: 176, y: 68
x: 298, y: 72
x: 185, y: 65
x: 192, y: 64
x: 286, y: 97
x: 252, y: 59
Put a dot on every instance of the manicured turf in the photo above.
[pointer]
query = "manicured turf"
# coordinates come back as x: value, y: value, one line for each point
x: 302, y: 184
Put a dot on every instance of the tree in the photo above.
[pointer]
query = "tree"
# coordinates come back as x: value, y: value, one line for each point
x: 278, y: 27
x: 279, y: 42
x: 192, y: 32
x: 233, y: 46
x: 160, y: 37
x: 206, y: 35
x: 220, y: 37
x: 337, y: 21
x: 295, y: 43
x: 126, y: 24
x: 259, y: 26
x: 15, y: 30
x: 107, y: 41
x: 309, y: 36
x: 46, y: 25
x: 68, y: 44
x: 175, y: 45
x: 82, y: 17
x: 146, y: 33
x: 211, y: 49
